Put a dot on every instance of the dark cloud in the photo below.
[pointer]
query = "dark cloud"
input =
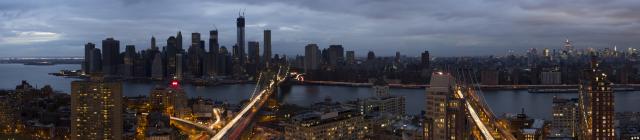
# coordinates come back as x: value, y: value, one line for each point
x: 446, y: 27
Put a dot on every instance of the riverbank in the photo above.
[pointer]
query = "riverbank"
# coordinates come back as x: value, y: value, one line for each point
x: 530, y: 88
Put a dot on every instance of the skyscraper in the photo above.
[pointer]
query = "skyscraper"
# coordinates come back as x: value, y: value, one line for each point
x: 371, y: 56
x: 239, y: 52
x: 254, y: 52
x: 596, y: 105
x: 110, y: 56
x: 194, y: 60
x: 179, y: 41
x: 254, y: 57
x: 214, y: 47
x: 95, y: 61
x: 311, y: 57
x: 172, y: 51
x: 96, y: 109
x: 267, y: 47
x: 425, y: 60
x: 128, y: 60
x: 351, y: 57
x: 336, y: 55
x: 195, y: 39
x: 153, y: 43
x: 88, y: 49
x: 157, y: 72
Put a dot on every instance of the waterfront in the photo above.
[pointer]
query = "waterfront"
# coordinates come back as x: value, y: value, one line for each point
x: 501, y: 101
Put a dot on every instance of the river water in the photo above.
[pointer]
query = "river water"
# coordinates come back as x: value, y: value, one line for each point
x: 537, y: 105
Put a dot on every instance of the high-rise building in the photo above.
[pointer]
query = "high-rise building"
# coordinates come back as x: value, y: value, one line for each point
x: 567, y: 48
x: 179, y: 41
x: 445, y: 113
x: 596, y: 105
x: 254, y: 57
x: 224, y: 61
x: 371, y: 56
x: 214, y: 47
x: 397, y: 58
x: 95, y: 61
x: 178, y: 74
x: 239, y: 52
x: 267, y: 47
x: 172, y: 51
x: 195, y: 39
x: 96, y: 109
x: 88, y: 49
x: 351, y: 57
x: 425, y: 60
x: 157, y: 72
x: 336, y: 55
x: 311, y: 57
x: 382, y: 101
x: 171, y: 101
x: 564, y: 123
x: 195, y: 56
x: 128, y: 60
x: 110, y: 56
x: 153, y: 43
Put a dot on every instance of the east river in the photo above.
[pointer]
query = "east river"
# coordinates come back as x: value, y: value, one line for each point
x: 537, y: 105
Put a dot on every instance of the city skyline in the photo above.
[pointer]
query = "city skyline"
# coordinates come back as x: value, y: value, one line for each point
x: 60, y: 29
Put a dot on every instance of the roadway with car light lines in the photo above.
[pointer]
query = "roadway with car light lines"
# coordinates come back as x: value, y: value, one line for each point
x: 266, y: 85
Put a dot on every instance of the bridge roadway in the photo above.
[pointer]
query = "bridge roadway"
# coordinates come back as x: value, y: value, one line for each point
x: 234, y: 128
x: 482, y: 116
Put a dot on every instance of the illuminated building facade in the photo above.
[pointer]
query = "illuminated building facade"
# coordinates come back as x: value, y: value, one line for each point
x: 445, y: 115
x: 332, y: 125
x: 96, y: 109
x: 596, y: 105
x: 565, y: 117
x: 171, y: 101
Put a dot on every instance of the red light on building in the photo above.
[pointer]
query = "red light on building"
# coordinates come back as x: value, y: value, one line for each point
x: 174, y: 83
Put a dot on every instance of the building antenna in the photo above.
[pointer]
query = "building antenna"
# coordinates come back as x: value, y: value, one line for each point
x: 215, y: 27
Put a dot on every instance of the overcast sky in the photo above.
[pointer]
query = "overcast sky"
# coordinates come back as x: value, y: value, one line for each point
x: 444, y: 27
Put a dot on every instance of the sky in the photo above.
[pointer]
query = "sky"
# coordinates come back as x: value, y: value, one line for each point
x: 443, y: 27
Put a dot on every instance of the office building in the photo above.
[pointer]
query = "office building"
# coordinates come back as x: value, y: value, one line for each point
x: 336, y: 55
x: 311, y: 57
x: 88, y: 49
x: 195, y: 39
x: 267, y: 47
x: 172, y: 59
x: 371, y: 56
x: 564, y: 123
x: 110, y: 56
x: 96, y: 109
x: 425, y: 60
x: 128, y: 61
x: 351, y: 57
x: 239, y: 51
x: 179, y: 41
x: 254, y: 58
x: 157, y: 72
x: 214, y: 47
